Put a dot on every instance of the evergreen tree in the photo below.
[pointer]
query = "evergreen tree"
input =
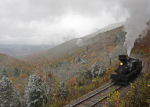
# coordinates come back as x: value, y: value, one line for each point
x: 34, y: 94
x: 16, y: 72
x: 63, y: 90
x: 8, y: 94
x: 4, y: 73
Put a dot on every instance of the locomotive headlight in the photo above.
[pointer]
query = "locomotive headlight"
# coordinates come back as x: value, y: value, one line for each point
x: 121, y: 63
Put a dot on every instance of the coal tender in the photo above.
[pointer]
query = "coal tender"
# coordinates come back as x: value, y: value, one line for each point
x: 128, y: 70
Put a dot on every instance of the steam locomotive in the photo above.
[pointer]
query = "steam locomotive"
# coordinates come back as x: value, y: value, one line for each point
x: 127, y: 71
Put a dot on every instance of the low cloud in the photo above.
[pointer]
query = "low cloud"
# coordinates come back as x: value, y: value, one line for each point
x: 55, y: 21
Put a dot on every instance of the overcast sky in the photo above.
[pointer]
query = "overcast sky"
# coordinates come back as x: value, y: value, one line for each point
x: 54, y: 21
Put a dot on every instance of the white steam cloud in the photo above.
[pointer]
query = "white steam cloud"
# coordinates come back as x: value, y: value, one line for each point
x: 139, y: 14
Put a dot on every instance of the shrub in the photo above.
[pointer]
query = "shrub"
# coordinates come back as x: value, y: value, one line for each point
x: 114, y: 99
x: 137, y: 96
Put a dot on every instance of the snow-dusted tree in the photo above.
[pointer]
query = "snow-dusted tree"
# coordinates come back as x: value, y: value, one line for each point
x: 97, y: 70
x: 8, y: 94
x: 63, y: 90
x: 34, y: 94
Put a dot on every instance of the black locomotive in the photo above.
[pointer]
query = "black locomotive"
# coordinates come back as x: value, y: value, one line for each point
x: 127, y: 71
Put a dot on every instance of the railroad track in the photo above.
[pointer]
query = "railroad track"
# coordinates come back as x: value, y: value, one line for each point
x: 95, y: 97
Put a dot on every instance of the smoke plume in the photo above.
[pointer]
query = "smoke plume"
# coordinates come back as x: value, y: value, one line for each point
x: 139, y: 14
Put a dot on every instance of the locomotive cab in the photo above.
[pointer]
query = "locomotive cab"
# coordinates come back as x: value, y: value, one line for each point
x: 128, y: 70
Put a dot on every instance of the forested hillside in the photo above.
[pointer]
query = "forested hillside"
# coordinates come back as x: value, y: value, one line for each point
x: 70, y: 69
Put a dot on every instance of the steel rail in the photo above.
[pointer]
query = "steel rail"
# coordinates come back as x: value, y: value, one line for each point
x: 103, y: 98
x: 92, y: 95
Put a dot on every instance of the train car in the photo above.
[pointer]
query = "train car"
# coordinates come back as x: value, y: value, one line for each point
x: 128, y: 69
